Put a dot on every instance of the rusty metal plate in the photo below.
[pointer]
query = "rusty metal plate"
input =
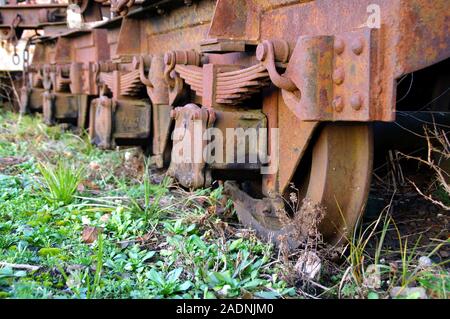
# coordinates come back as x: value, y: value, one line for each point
x: 187, y: 163
x: 132, y: 119
x: 336, y: 77
x: 35, y: 100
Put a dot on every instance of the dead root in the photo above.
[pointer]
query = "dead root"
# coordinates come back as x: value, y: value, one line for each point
x: 303, y: 265
x: 438, y: 153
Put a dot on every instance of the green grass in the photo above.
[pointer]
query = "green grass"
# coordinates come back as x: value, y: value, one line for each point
x: 149, y: 246
x: 60, y: 181
x: 155, y: 241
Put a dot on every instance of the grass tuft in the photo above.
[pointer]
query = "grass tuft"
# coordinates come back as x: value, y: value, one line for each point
x: 60, y: 181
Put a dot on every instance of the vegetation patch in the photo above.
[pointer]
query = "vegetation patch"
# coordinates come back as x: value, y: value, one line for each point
x: 78, y: 222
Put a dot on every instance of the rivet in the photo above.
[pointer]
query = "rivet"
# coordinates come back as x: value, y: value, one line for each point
x: 338, y: 104
x: 356, y: 101
x: 357, y: 46
x: 339, y: 46
x: 338, y: 76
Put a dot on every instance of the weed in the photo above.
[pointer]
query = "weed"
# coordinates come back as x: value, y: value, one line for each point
x: 157, y: 241
x: 163, y: 286
x: 92, y: 289
x: 61, y: 181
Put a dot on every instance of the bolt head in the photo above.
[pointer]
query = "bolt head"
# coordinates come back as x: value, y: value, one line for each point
x: 339, y: 46
x: 168, y: 57
x: 135, y: 63
x: 356, y: 101
x: 261, y: 51
x: 338, y: 104
x: 357, y: 46
x: 338, y: 76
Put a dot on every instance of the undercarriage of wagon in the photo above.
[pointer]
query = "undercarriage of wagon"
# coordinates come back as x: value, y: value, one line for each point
x: 269, y: 97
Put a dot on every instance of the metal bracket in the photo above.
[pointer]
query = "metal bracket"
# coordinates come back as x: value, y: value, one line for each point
x: 100, y: 121
x: 48, y: 107
x: 190, y: 168
x: 335, y: 76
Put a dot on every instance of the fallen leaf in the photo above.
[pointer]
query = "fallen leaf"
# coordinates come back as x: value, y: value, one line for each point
x: 90, y: 234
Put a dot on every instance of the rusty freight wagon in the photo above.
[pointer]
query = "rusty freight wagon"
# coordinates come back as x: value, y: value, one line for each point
x: 269, y: 96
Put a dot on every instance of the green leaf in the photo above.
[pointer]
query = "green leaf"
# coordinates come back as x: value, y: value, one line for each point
x: 197, y: 241
x: 174, y: 275
x: 185, y: 286
x: 155, y: 276
x: 235, y: 244
x: 149, y: 255
x: 414, y: 295
x: 373, y: 295
x: 43, y: 252
x: 223, y: 277
x: 254, y: 283
x: 268, y: 294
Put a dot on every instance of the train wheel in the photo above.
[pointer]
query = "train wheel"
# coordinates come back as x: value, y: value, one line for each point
x: 338, y: 178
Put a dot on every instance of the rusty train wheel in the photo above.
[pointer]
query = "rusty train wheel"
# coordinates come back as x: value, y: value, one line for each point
x: 339, y: 178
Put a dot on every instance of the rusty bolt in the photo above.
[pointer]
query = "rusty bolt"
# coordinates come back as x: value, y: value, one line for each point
x: 356, y: 101
x: 339, y: 46
x: 168, y: 58
x: 338, y: 104
x: 357, y: 46
x: 135, y: 63
x: 338, y: 76
x: 261, y: 51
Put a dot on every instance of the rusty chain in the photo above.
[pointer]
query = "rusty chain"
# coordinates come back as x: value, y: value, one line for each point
x: 13, y: 38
